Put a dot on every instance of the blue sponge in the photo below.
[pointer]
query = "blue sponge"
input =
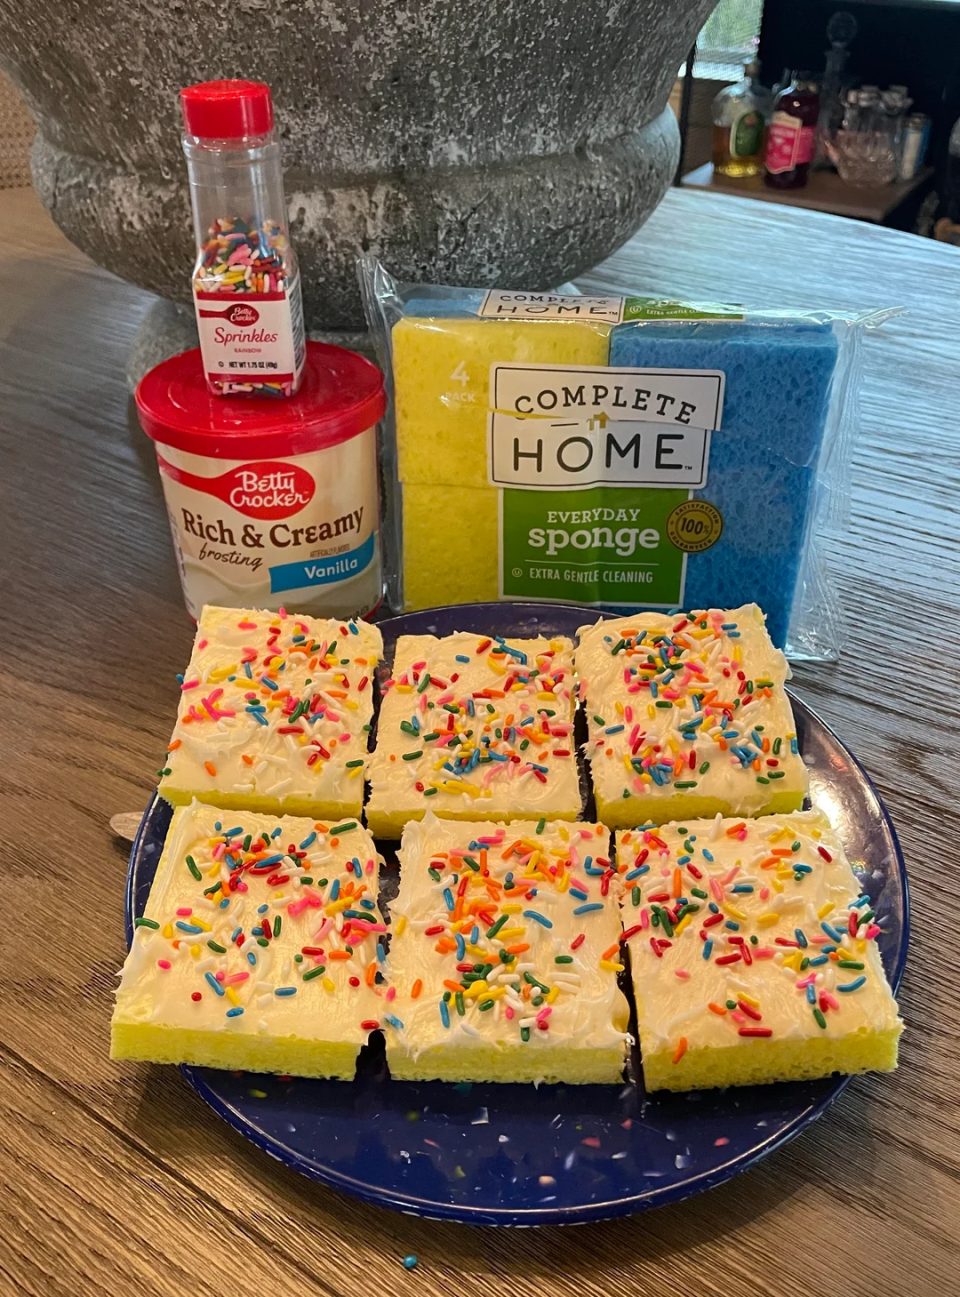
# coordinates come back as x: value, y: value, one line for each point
x: 763, y: 459
x: 453, y: 304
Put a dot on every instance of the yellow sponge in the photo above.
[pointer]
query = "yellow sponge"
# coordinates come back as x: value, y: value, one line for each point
x: 753, y: 955
x: 863, y: 1050
x: 437, y: 573
x: 441, y: 374
x: 441, y: 369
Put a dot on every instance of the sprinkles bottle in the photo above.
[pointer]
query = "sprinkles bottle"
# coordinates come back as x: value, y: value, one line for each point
x: 246, y: 285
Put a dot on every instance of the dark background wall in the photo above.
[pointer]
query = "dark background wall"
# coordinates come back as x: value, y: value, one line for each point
x: 912, y: 44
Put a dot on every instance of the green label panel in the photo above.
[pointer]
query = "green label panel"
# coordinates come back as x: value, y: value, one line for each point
x: 746, y: 134
x: 604, y: 545
x: 663, y: 308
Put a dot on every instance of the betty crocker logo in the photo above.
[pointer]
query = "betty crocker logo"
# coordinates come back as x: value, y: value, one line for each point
x: 241, y: 313
x: 261, y: 490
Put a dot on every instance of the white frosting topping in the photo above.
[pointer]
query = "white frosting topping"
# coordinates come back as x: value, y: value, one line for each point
x: 762, y: 896
x: 275, y: 707
x: 548, y: 900
x: 202, y: 954
x: 470, y: 724
x: 691, y: 704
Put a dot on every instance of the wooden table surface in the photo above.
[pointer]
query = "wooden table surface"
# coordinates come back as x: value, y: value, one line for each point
x: 116, y: 1179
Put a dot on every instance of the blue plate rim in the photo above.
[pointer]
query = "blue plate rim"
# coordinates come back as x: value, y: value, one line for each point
x: 507, y: 1217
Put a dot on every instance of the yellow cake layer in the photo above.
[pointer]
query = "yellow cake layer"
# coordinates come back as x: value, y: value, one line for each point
x: 688, y: 716
x: 506, y: 1064
x: 625, y: 812
x: 753, y: 955
x: 441, y: 378
x: 282, y: 1055
x: 434, y: 574
x: 257, y: 947
x: 274, y: 714
x: 769, y: 1060
x: 296, y: 806
x: 473, y: 728
x: 544, y: 906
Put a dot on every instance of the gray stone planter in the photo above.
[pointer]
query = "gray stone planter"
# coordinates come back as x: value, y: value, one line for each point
x: 513, y: 142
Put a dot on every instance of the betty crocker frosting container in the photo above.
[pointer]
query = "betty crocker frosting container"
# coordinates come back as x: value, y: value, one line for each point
x: 272, y: 503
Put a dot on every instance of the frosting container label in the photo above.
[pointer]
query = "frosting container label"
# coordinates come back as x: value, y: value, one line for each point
x: 248, y: 531
x: 251, y: 337
x: 596, y: 467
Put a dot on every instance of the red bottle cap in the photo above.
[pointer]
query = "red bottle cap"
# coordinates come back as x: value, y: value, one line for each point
x: 227, y: 110
x: 341, y: 395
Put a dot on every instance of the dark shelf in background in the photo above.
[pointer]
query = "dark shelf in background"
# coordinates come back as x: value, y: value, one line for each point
x: 824, y: 192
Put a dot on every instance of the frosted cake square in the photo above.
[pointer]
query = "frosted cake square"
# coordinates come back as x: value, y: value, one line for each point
x: 474, y: 726
x: 753, y: 954
x: 257, y: 949
x: 504, y: 954
x: 688, y: 717
x: 274, y: 714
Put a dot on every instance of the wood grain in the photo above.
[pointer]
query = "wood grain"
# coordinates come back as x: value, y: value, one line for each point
x: 116, y: 1179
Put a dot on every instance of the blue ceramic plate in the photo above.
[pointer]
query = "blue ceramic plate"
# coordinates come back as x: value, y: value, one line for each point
x: 516, y: 1155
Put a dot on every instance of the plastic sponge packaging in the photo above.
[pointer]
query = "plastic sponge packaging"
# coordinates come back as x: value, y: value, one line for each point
x: 626, y: 453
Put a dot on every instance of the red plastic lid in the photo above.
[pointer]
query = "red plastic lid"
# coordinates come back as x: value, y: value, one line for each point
x: 227, y: 110
x: 341, y: 395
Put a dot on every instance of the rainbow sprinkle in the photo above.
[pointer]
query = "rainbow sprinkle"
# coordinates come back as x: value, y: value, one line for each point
x: 694, y: 899
x: 685, y: 712
x: 500, y: 909
x: 278, y: 708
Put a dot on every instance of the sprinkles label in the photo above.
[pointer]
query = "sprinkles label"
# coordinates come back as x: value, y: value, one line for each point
x: 251, y: 337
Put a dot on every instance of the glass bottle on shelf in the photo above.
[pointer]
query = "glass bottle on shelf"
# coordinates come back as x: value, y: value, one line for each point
x: 869, y: 104
x: 738, y: 127
x: 841, y: 29
x: 951, y: 185
x: 791, y: 134
x: 851, y: 112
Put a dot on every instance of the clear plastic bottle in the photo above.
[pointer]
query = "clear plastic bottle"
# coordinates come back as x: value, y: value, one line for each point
x: 246, y: 283
x: 738, y: 127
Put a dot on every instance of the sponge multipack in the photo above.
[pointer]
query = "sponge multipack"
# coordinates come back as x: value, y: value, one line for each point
x: 622, y: 452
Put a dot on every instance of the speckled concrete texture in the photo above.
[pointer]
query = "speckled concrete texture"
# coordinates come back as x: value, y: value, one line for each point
x: 512, y: 142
